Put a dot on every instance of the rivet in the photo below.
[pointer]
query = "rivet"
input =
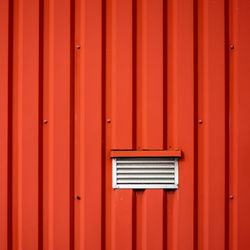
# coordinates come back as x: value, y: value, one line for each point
x: 200, y: 121
x: 45, y: 121
x: 78, y: 46
x: 108, y: 121
x: 231, y: 197
x: 232, y: 46
x: 78, y: 197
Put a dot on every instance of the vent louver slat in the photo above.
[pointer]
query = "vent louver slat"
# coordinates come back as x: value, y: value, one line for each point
x: 144, y: 176
x: 141, y: 173
x: 143, y: 166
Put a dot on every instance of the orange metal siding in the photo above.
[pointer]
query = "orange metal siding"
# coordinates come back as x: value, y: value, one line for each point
x: 79, y: 78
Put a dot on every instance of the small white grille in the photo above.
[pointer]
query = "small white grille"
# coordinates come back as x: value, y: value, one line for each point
x: 142, y: 173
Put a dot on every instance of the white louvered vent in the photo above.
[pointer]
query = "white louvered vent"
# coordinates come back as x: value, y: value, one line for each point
x: 142, y: 173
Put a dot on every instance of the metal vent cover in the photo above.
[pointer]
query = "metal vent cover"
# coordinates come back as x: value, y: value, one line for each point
x: 143, y: 173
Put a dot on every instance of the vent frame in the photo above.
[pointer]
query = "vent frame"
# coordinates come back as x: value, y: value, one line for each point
x: 155, y: 161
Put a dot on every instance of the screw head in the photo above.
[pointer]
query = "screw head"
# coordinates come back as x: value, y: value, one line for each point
x: 78, y: 197
x: 231, y: 46
x: 78, y: 46
x: 200, y: 121
x: 108, y: 121
x: 45, y: 121
x: 231, y: 197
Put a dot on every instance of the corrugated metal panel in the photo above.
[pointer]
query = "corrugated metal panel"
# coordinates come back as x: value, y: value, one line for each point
x: 79, y: 78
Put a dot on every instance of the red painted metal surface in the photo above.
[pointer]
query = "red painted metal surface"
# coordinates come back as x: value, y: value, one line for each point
x: 145, y: 153
x: 80, y: 78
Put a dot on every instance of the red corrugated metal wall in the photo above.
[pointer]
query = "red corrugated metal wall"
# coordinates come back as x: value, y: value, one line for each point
x: 81, y: 77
